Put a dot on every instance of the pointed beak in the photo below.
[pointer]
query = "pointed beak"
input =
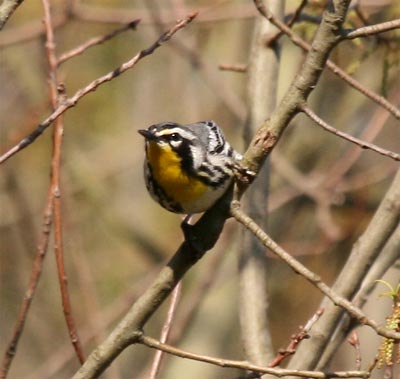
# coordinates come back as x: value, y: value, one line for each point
x: 147, y: 134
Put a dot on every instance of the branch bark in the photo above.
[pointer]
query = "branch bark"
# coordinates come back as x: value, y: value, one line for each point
x: 7, y: 8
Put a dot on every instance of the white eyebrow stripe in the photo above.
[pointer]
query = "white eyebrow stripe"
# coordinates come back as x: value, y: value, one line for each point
x: 180, y: 131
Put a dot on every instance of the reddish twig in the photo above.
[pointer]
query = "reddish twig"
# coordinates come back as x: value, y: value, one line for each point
x: 348, y: 137
x: 32, y: 286
x: 233, y: 67
x: 176, y: 294
x: 70, y: 102
x: 355, y: 342
x: 295, y: 339
x: 56, y: 93
x: 96, y: 41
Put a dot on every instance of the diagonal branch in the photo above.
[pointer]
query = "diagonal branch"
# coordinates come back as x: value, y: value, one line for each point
x: 332, y: 66
x: 313, y: 278
x: 70, y: 102
x: 7, y: 8
x: 363, y: 144
x: 206, y: 232
x: 96, y: 41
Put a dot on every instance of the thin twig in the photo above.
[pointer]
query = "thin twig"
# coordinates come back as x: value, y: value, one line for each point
x: 295, y: 339
x: 96, y: 41
x: 313, y: 278
x: 233, y: 67
x: 354, y: 341
x: 56, y: 94
x: 36, y: 272
x: 370, y: 30
x: 175, y: 296
x: 332, y: 66
x: 347, y: 159
x: 363, y: 144
x: 243, y: 365
x: 72, y: 101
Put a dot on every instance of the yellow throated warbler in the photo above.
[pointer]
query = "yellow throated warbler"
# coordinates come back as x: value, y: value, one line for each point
x: 187, y: 167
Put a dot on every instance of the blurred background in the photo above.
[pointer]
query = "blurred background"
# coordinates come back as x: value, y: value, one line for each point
x: 323, y: 190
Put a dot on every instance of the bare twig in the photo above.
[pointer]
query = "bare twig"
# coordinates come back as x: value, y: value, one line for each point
x: 233, y: 67
x: 355, y: 342
x: 385, y: 260
x: 128, y: 330
x: 295, y: 339
x: 371, y: 30
x: 61, y: 355
x: 176, y: 293
x: 96, y: 41
x: 40, y: 254
x: 363, y: 144
x: 70, y: 102
x: 268, y: 242
x: 347, y: 159
x: 279, y: 372
x: 7, y: 8
x: 332, y: 66
x: 56, y: 94
x: 294, y: 17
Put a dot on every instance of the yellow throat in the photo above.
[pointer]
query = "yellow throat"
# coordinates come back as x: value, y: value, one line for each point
x: 166, y: 167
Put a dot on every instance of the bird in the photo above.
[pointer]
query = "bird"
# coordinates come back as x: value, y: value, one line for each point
x: 187, y: 168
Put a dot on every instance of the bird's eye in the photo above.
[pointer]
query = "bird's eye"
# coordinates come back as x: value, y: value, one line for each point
x: 174, y: 137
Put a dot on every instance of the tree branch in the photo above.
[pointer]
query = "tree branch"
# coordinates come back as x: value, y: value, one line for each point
x: 206, y: 232
x: 363, y: 144
x: 279, y: 372
x: 332, y: 66
x: 364, y: 252
x: 7, y: 8
x: 73, y: 100
x: 313, y: 278
x: 371, y: 30
x: 96, y: 41
x: 56, y: 92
